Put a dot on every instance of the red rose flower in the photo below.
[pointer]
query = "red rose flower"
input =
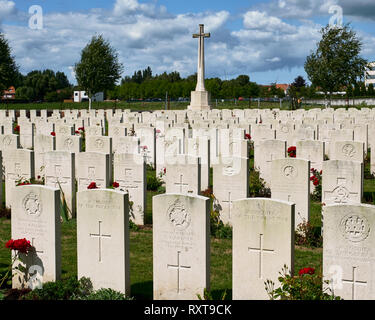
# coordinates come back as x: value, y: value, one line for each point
x: 247, y: 136
x: 306, y: 271
x: 321, y: 171
x: 115, y: 185
x: 165, y: 170
x: 81, y: 129
x: 17, y: 129
x: 21, y: 245
x: 77, y: 132
x: 316, y: 182
x: 53, y: 134
x: 92, y: 185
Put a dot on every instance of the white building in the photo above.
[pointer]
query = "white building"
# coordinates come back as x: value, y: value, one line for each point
x: 80, y: 96
x: 370, y: 74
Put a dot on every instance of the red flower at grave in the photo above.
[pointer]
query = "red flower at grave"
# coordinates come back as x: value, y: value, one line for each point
x: 292, y: 152
x: 92, y: 185
x: 77, y: 132
x: 306, y: 271
x: 316, y: 182
x: 81, y: 129
x: 21, y: 245
x: 53, y: 134
x: 17, y: 129
x: 247, y: 136
x: 165, y: 170
x: 115, y: 185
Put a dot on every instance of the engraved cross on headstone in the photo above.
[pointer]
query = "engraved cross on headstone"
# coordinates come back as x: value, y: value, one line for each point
x: 230, y: 203
x: 178, y: 267
x: 181, y: 184
x: 354, y: 283
x: 261, y: 251
x: 100, y: 236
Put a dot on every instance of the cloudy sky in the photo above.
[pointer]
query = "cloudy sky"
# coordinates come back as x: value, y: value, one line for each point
x: 266, y: 39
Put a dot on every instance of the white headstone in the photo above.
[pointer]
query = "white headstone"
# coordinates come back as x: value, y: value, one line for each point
x: 103, y: 239
x: 348, y: 242
x: 181, y: 246
x: 263, y: 242
x: 36, y: 217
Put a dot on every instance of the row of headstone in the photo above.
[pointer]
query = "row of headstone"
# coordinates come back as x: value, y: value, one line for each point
x: 263, y: 243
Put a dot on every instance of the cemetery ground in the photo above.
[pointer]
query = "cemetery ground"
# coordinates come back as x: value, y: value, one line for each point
x: 141, y: 272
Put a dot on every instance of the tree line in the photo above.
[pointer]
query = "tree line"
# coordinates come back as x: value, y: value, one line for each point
x: 335, y: 65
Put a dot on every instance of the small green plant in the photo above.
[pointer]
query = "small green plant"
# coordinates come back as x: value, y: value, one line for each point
x: 306, y: 286
x: 59, y: 290
x: 218, y: 229
x: 133, y: 226
x: 208, y: 296
x: 153, y: 183
x: 257, y: 185
x: 105, y: 294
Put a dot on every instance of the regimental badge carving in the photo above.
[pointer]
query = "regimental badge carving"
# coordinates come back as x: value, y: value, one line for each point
x: 178, y: 216
x: 290, y: 172
x: 68, y: 143
x: 355, y: 228
x: 7, y: 141
x: 99, y: 143
x: 229, y: 171
x: 284, y: 129
x: 348, y: 150
x: 32, y: 205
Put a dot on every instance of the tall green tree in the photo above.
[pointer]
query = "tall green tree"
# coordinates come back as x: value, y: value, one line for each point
x: 8, y: 68
x: 99, y: 68
x: 336, y: 63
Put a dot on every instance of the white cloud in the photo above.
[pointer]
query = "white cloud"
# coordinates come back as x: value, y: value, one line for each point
x: 7, y: 8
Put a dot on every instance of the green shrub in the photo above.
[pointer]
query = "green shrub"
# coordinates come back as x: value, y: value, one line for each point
x: 153, y: 183
x: 105, y: 294
x: 60, y: 290
x: 257, y: 186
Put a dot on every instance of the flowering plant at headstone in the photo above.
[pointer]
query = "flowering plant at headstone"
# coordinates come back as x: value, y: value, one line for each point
x: 23, y: 182
x: 163, y: 172
x: 307, y: 235
x: 19, y: 246
x: 247, y: 136
x: 316, y: 178
x: 92, y: 186
x: 53, y: 134
x: 292, y: 152
x: 17, y: 129
x: 308, y: 285
x: 115, y: 185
